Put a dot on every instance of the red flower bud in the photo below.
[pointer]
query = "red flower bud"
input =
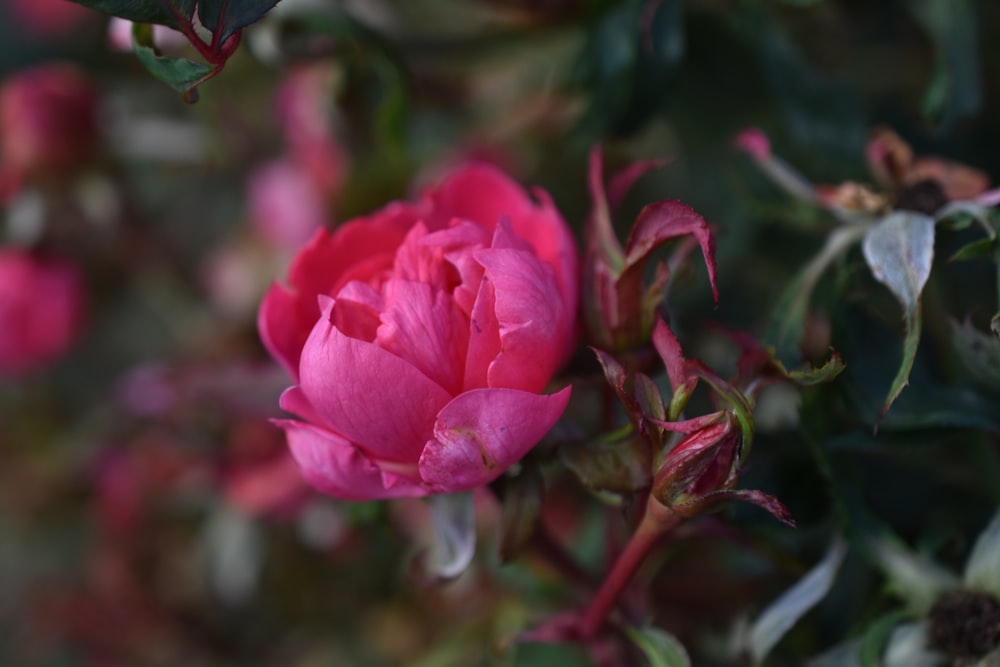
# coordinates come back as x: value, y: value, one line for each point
x: 700, y: 463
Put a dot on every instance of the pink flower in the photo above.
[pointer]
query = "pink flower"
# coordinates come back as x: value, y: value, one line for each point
x: 305, y: 111
x: 41, y: 303
x: 48, y: 120
x: 421, y: 337
x: 285, y: 207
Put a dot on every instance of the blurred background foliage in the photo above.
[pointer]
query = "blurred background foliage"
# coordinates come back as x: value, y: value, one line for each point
x: 124, y: 539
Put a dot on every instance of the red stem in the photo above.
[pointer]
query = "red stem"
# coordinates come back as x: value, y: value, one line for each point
x: 187, y: 29
x: 657, y: 522
x: 217, y: 34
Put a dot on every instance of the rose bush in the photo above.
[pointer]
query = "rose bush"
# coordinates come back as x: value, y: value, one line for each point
x: 41, y: 304
x: 421, y: 336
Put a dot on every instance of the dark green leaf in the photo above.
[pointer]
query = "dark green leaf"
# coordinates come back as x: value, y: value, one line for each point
x: 181, y: 10
x: 910, y: 344
x: 226, y: 17
x: 955, y: 89
x: 181, y: 74
x: 616, y: 466
x: 787, y: 323
x: 981, y: 249
x: 140, y: 11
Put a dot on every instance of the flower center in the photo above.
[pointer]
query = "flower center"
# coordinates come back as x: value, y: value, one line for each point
x: 965, y: 624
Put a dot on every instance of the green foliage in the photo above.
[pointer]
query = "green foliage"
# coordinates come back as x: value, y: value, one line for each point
x: 181, y: 74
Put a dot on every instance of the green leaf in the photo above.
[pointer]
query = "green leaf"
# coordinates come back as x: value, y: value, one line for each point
x: 962, y: 213
x: 841, y: 655
x: 779, y: 617
x: 618, y: 466
x: 787, y: 323
x: 908, y: 647
x: 914, y: 577
x: 978, y: 353
x: 910, y: 344
x: 899, y: 250
x: 140, y: 11
x: 981, y: 249
x: 876, y: 637
x: 181, y: 74
x: 226, y: 17
x: 955, y: 89
x: 814, y: 376
x: 661, y: 648
x: 982, y: 571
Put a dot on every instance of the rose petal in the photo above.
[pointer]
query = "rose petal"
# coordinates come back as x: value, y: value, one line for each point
x: 370, y: 396
x: 533, y: 322
x: 482, y: 193
x: 280, y: 329
x: 294, y: 401
x: 335, y: 467
x: 355, y: 319
x: 483, y: 432
x: 362, y: 249
x: 484, y: 337
x: 425, y: 327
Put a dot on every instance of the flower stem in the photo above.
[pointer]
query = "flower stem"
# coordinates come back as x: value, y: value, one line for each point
x: 656, y: 522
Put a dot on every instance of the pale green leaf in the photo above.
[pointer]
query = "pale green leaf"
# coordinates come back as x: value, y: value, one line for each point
x: 661, y: 648
x: 783, y: 613
x: 454, y: 523
x: 982, y: 571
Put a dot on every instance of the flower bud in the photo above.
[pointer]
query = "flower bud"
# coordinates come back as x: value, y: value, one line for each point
x: 700, y: 463
x: 620, y: 307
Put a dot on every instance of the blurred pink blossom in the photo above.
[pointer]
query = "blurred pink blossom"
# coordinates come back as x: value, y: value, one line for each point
x: 306, y: 114
x: 421, y: 336
x: 285, y: 207
x: 48, y: 121
x: 754, y: 142
x: 259, y: 476
x: 41, y: 307
x: 49, y: 18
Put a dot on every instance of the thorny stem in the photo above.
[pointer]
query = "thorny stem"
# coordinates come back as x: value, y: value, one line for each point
x: 656, y: 522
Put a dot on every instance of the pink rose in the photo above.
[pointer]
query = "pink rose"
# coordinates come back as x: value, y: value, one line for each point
x: 41, y: 304
x: 421, y: 337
